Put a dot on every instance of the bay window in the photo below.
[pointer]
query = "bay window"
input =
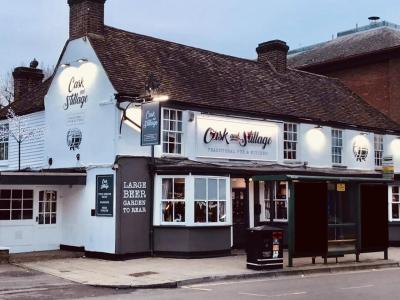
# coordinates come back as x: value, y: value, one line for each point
x: 172, y: 131
x: 188, y: 200
x: 394, y: 203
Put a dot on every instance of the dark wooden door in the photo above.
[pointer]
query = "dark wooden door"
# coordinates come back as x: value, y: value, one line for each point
x: 239, y: 202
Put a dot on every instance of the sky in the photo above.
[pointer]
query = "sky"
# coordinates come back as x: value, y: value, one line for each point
x: 39, y: 28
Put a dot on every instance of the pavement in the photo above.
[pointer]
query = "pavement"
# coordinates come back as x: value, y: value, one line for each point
x: 157, y: 272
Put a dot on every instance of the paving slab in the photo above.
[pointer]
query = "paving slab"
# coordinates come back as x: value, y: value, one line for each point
x: 155, y: 272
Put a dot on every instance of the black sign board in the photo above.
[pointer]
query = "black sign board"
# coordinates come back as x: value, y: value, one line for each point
x: 104, y: 195
x: 150, y: 124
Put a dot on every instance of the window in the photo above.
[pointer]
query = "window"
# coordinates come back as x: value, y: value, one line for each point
x: 278, y: 190
x: 172, y: 131
x: 47, y: 207
x: 209, y: 200
x: 337, y: 146
x: 173, y: 200
x: 378, y: 143
x: 4, y: 142
x: 290, y: 141
x: 16, y: 204
x: 394, y: 204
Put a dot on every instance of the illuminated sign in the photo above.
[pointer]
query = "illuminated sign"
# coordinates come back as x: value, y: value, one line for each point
x: 76, y: 93
x: 231, y: 138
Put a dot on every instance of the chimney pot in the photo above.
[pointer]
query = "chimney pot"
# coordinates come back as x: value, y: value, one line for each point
x: 86, y: 16
x: 26, y: 80
x: 275, y: 53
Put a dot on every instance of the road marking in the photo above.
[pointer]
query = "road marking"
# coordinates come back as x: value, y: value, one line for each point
x: 196, y: 288
x: 22, y: 291
x: 271, y: 296
x: 357, y: 287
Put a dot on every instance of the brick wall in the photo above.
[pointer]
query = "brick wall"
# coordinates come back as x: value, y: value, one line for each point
x: 375, y: 82
x: 86, y: 16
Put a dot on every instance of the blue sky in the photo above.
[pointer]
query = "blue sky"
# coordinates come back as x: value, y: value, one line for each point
x: 39, y: 28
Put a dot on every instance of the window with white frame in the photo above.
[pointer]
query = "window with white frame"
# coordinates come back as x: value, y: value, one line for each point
x: 47, y: 207
x: 337, y: 146
x: 394, y: 204
x: 4, y: 141
x: 173, y: 200
x: 278, y: 192
x: 16, y: 204
x: 378, y: 146
x: 172, y: 132
x: 209, y: 200
x: 267, y: 201
x: 290, y: 141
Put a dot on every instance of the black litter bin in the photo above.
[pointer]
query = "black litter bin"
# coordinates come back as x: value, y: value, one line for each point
x: 264, y: 248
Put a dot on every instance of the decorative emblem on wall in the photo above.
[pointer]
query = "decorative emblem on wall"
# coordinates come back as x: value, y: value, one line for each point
x: 360, y: 149
x: 74, y: 138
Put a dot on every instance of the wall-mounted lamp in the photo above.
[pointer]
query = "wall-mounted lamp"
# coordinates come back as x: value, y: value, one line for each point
x: 50, y: 161
x: 364, y: 133
x: 78, y: 157
x: 318, y: 127
x: 82, y: 60
x: 66, y: 65
x: 191, y: 116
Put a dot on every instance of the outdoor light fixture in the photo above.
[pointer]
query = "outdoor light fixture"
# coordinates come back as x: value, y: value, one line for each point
x: 160, y: 98
x: 65, y: 65
x: 318, y: 127
x: 364, y: 133
x: 82, y: 60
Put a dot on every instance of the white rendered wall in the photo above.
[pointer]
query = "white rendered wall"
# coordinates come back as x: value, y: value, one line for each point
x: 79, y: 228
x: 96, y: 119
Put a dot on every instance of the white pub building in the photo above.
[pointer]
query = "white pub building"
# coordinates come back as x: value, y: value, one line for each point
x: 242, y: 143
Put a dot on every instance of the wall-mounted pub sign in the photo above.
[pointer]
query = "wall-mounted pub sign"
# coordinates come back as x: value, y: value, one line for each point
x: 150, y: 124
x: 104, y: 195
x: 388, y: 167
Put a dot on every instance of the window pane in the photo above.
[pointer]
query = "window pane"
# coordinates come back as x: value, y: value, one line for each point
x: 395, y: 211
x: 212, y: 211
x: 47, y: 218
x: 179, y: 212
x: 5, y: 204
x: 179, y: 188
x: 16, y: 215
x: 222, y: 189
x: 395, y: 189
x: 4, y: 215
x: 28, y: 194
x: 281, y: 190
x: 167, y: 188
x: 200, y: 189
x: 5, y: 194
x: 41, y: 206
x: 28, y: 204
x: 17, y: 194
x: 167, y: 211
x: 281, y: 211
x: 200, y: 209
x: 54, y: 206
x: 222, y: 211
x: 212, y: 189
x: 395, y: 198
x: 53, y: 218
x: 28, y: 214
x: 16, y: 204
x: 41, y: 219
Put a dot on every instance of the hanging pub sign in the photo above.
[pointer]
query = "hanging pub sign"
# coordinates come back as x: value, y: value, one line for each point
x: 388, y: 167
x: 104, y: 195
x: 150, y: 124
x: 230, y: 138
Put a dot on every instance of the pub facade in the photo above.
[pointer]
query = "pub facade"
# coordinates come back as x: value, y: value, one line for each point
x: 241, y: 143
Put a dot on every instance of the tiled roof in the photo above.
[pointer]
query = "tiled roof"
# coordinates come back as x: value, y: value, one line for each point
x: 347, y: 46
x: 30, y: 103
x: 199, y: 77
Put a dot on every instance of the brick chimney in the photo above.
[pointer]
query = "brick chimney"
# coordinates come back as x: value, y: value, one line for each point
x: 275, y: 52
x: 26, y: 80
x: 86, y: 16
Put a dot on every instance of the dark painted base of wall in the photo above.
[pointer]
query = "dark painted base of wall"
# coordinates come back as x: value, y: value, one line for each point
x: 189, y: 255
x: 116, y: 257
x: 72, y: 248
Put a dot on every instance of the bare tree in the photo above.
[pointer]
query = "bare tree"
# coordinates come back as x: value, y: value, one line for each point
x: 18, y: 129
x: 6, y: 90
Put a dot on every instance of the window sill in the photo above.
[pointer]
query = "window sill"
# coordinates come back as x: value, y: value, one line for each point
x: 339, y: 166
x: 292, y: 162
